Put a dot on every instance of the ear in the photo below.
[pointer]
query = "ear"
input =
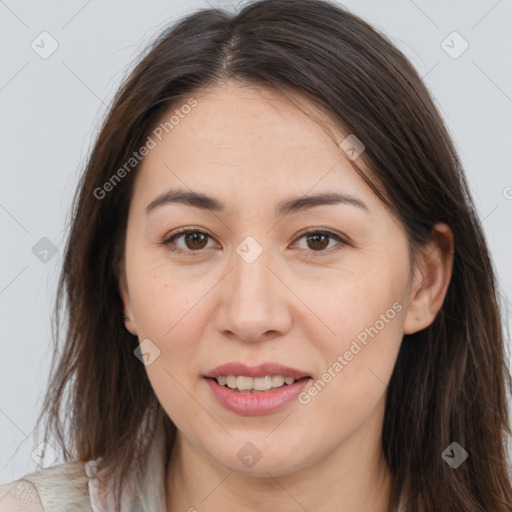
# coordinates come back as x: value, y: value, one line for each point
x: 432, y: 276
x: 125, y: 297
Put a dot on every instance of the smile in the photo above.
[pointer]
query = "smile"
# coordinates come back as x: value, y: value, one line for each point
x: 251, y: 401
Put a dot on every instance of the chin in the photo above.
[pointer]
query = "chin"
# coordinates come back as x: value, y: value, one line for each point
x: 263, y: 461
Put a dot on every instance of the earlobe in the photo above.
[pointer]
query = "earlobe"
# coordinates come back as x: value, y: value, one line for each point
x: 127, y: 317
x: 431, y: 279
x: 129, y: 325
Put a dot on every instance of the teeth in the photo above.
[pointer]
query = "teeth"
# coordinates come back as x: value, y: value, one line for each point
x: 262, y: 383
x: 277, y: 381
x: 244, y: 383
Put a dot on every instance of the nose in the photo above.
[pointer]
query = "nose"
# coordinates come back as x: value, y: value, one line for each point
x: 253, y: 303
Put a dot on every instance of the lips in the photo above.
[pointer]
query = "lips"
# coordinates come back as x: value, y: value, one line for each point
x: 252, y: 404
x: 256, y: 402
x: 262, y: 370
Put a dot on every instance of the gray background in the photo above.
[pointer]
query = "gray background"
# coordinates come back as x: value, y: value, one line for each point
x: 51, y: 109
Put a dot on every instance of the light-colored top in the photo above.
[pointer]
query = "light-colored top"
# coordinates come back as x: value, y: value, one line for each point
x: 19, y: 496
x: 22, y: 495
x: 74, y: 487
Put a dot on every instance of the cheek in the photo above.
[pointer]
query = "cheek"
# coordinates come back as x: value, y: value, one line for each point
x: 362, y: 317
x: 175, y: 394
x: 172, y: 315
x: 352, y: 307
x: 165, y: 299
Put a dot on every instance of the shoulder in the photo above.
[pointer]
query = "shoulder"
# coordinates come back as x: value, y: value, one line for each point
x: 20, y: 496
x: 60, y: 487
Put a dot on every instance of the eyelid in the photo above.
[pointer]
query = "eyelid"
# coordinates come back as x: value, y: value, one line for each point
x: 342, y: 240
x: 166, y: 241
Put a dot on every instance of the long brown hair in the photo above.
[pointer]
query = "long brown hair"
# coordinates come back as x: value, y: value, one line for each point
x: 450, y: 382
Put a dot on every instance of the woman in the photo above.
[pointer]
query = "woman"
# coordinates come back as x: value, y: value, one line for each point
x: 279, y: 294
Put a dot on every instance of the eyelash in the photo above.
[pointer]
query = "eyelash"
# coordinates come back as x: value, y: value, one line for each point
x: 184, y: 231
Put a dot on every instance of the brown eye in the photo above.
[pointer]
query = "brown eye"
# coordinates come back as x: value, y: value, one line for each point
x: 318, y: 242
x: 194, y: 241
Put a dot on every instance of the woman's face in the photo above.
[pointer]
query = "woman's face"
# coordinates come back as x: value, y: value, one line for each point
x: 250, y: 288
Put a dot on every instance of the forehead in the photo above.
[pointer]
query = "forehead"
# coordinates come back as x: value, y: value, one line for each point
x: 240, y: 142
x: 236, y: 117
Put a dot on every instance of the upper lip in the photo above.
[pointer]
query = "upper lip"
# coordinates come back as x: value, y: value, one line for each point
x: 262, y: 370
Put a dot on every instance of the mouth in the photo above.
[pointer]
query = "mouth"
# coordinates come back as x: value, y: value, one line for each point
x: 255, y: 390
x: 254, y: 385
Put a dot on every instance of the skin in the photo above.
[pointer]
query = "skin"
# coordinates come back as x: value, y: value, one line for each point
x: 251, y: 147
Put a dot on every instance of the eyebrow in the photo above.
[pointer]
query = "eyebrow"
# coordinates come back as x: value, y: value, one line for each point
x: 205, y: 202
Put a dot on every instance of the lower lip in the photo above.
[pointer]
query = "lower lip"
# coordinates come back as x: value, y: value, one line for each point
x: 263, y: 402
